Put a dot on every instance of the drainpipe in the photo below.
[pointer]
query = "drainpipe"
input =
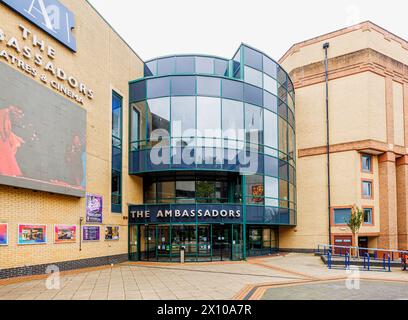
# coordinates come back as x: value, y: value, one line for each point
x: 326, y: 63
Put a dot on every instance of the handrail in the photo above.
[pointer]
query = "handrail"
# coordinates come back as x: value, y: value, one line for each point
x: 366, y: 249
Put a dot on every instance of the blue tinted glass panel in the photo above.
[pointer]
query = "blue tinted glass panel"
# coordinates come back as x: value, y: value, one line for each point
x: 232, y: 89
x: 166, y: 66
x: 253, y: 76
x: 208, y: 86
x: 151, y: 68
x: 269, y: 67
x: 283, y: 170
x: 271, y: 166
x: 368, y: 216
x: 158, y: 87
x: 342, y: 216
x: 270, y: 102
x: 183, y: 86
x: 366, y: 163
x: 204, y: 65
x: 221, y: 67
x: 185, y: 65
x: 253, y: 95
x: 137, y: 91
x: 253, y: 58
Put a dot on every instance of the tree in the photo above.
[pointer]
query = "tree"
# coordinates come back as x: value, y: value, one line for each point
x: 355, y: 222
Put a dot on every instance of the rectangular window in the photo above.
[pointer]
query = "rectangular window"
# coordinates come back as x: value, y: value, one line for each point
x: 116, y: 174
x: 341, y: 216
x: 366, y: 164
x: 367, y: 189
x: 368, y: 215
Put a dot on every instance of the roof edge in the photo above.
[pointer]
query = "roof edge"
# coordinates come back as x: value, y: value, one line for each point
x: 362, y: 25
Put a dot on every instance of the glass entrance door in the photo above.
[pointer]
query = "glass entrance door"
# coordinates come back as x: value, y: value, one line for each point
x: 221, y: 239
x: 148, y: 243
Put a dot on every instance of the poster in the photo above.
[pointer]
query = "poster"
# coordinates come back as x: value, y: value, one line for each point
x: 111, y: 233
x: 91, y: 233
x: 65, y: 234
x: 257, y: 193
x: 94, y: 208
x: 3, y: 234
x: 32, y: 234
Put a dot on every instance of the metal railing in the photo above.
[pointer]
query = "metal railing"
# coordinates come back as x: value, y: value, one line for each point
x: 354, y: 252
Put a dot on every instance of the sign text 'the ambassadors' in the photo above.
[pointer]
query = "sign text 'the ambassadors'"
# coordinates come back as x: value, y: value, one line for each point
x: 192, y: 213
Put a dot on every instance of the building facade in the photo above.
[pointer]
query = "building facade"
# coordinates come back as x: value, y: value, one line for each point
x: 368, y: 100
x: 214, y: 140
x: 58, y: 97
x: 106, y: 158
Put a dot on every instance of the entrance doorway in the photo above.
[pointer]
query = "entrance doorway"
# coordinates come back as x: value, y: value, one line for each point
x: 345, y: 241
x: 363, y: 243
x: 221, y: 242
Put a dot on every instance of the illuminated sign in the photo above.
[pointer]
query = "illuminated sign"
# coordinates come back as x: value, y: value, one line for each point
x: 50, y: 15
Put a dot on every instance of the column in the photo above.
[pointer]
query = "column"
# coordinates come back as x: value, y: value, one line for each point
x: 402, y: 202
x: 388, y: 238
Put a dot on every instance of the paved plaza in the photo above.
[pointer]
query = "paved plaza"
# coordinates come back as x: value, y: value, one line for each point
x: 291, y: 276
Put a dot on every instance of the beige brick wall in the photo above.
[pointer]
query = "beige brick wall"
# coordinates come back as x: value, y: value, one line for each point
x: 105, y: 63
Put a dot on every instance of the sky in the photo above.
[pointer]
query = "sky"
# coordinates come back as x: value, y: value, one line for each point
x: 155, y: 28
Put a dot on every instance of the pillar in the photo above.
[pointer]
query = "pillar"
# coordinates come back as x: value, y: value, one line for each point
x: 388, y: 238
x: 402, y: 202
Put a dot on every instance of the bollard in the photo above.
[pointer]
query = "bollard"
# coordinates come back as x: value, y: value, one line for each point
x: 368, y: 261
x: 182, y: 254
x: 389, y: 263
x: 329, y: 262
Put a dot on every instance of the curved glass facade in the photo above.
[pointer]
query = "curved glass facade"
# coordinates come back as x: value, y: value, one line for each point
x: 212, y: 132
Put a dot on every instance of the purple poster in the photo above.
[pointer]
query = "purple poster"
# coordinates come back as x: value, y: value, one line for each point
x: 94, y: 208
x: 91, y: 233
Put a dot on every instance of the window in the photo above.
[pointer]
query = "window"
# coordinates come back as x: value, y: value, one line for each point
x: 269, y: 67
x: 253, y: 58
x: 209, y: 119
x: 232, y: 123
x: 253, y: 126
x: 271, y: 191
x: 185, y: 65
x: 159, y: 117
x: 253, y: 76
x: 341, y: 216
x: 255, y: 189
x: 166, y: 66
x: 367, y: 189
x: 185, y: 191
x: 232, y: 89
x: 134, y: 127
x: 159, y: 87
x: 183, y: 119
x: 208, y: 86
x: 116, y: 165
x: 270, y: 84
x: 183, y: 86
x: 204, y: 65
x: 368, y: 215
x: 271, y: 133
x: 366, y: 163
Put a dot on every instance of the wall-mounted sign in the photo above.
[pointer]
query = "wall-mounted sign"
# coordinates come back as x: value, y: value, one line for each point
x: 94, y: 208
x: 50, y: 15
x: 3, y: 234
x: 32, y: 234
x: 65, y: 234
x: 111, y: 233
x: 186, y: 213
x: 91, y: 233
